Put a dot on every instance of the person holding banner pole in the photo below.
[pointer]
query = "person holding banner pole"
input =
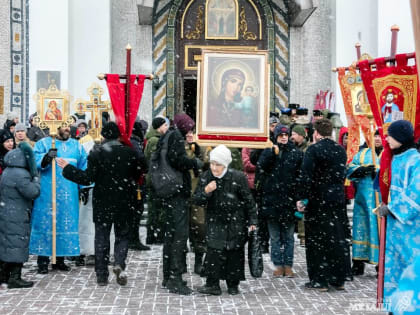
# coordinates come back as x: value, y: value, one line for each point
x: 362, y: 172
x: 67, y: 201
x: 403, y: 209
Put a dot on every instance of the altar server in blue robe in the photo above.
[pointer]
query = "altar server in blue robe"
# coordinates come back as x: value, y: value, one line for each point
x: 403, y: 209
x: 67, y: 196
x: 406, y: 299
x: 365, y: 243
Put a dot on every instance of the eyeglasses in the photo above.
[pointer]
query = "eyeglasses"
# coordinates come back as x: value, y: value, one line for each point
x: 283, y: 135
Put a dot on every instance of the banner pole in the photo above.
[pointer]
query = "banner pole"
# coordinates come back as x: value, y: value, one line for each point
x: 127, y: 88
x: 382, y: 236
x: 358, y: 51
x: 372, y: 149
x: 54, y: 203
x: 415, y: 15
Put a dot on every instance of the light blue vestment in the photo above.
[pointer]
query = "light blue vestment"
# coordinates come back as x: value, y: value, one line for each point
x: 403, y: 226
x: 67, y: 202
x: 406, y: 299
x: 365, y: 244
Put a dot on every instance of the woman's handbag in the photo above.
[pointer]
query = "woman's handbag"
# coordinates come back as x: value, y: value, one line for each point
x: 166, y: 180
x: 255, y: 259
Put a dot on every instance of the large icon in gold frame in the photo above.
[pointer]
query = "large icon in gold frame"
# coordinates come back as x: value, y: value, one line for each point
x: 53, y: 109
x: 232, y: 98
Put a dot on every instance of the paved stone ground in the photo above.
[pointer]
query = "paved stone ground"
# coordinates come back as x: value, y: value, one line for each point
x: 76, y: 292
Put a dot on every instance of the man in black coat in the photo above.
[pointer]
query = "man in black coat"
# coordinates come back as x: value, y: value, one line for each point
x: 115, y: 170
x: 322, y: 188
x: 176, y: 207
x: 281, y: 166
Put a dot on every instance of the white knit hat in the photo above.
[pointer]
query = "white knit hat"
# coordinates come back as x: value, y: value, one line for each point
x: 222, y: 155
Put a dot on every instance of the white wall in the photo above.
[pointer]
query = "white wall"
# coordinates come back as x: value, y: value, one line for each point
x: 356, y: 22
x: 72, y: 37
x: 48, y: 41
x: 395, y: 12
x: 369, y: 22
x: 89, y: 45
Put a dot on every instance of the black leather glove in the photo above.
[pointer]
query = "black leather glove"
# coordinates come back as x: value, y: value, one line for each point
x: 383, y: 210
x: 47, y: 159
x: 197, y: 149
x: 363, y: 171
x: 199, y: 164
x: 84, y: 195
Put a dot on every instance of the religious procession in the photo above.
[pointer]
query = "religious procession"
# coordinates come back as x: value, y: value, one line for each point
x: 210, y: 158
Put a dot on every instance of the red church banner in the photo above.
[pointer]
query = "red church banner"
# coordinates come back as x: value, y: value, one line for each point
x: 117, y: 93
x: 393, y: 94
x: 357, y: 109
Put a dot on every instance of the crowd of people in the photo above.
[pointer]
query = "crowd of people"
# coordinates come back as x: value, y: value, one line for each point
x: 301, y: 184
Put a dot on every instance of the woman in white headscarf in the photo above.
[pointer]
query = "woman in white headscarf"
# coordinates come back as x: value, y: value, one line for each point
x: 230, y: 212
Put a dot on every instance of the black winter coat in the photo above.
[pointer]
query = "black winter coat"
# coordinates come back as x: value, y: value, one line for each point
x: 115, y: 170
x: 323, y: 175
x: 138, y: 148
x: 18, y: 190
x: 230, y: 209
x: 178, y: 158
x: 327, y: 232
x: 279, y: 186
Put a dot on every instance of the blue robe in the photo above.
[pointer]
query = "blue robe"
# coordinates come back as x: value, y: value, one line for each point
x: 67, y: 202
x: 406, y: 299
x: 403, y: 226
x: 365, y: 244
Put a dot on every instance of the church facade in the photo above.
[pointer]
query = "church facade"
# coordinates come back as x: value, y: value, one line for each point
x: 77, y: 40
x: 180, y: 29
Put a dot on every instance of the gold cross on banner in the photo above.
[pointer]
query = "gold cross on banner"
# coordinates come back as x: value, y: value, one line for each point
x: 95, y: 106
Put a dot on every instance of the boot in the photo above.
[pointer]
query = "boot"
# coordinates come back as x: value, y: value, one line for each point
x: 15, y: 280
x: 4, y: 273
x: 150, y: 236
x: 135, y: 243
x: 211, y: 290
x: 198, y: 263
x: 120, y: 275
x: 233, y: 287
x: 279, y: 272
x: 358, y: 268
x: 80, y: 261
x: 176, y: 286
x: 288, y: 272
x: 165, y: 282
x: 60, y: 265
x: 90, y: 260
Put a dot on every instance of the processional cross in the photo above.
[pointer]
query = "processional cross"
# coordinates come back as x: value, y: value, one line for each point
x: 96, y: 107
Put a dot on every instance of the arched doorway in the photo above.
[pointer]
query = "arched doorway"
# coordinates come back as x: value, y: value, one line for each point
x: 182, y: 28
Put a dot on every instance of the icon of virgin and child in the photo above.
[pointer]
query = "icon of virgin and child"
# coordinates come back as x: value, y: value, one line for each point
x: 53, y: 112
x: 235, y: 105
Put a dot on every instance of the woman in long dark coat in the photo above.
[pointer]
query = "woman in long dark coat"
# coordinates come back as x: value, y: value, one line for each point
x: 19, y: 186
x: 230, y: 211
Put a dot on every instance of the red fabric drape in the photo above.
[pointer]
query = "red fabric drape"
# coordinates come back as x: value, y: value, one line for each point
x: 117, y: 93
x: 402, y: 80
